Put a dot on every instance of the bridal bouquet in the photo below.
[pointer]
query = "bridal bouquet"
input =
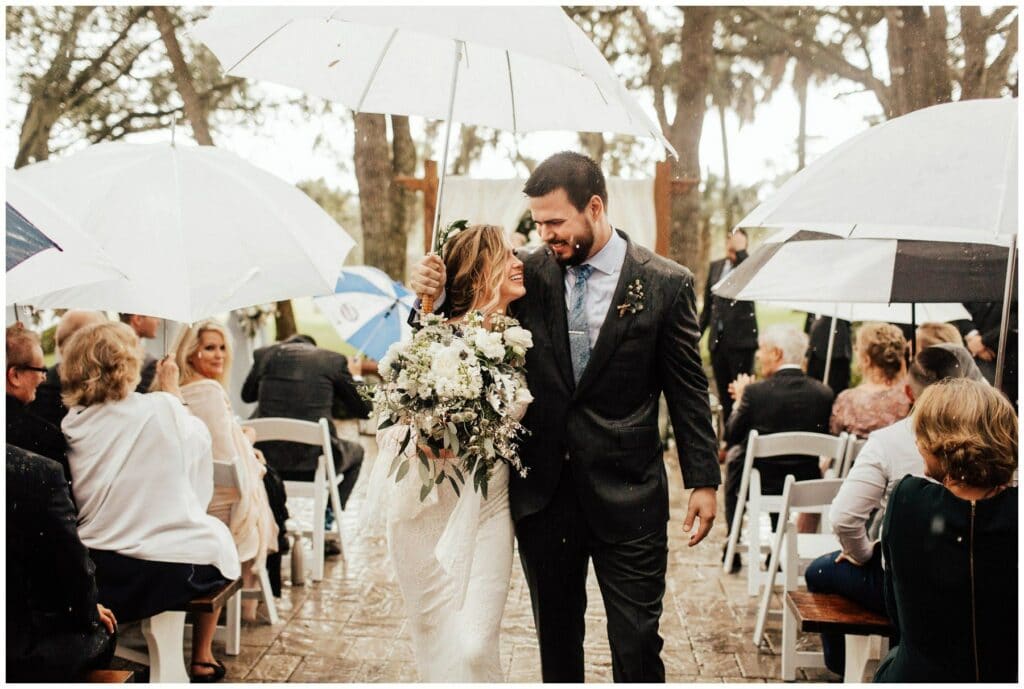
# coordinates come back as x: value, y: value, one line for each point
x: 461, y: 387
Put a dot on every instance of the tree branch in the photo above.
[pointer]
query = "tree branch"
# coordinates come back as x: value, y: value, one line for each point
x: 88, y: 72
x: 996, y: 74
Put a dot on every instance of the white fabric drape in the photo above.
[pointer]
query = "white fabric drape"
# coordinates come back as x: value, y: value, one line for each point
x: 502, y: 202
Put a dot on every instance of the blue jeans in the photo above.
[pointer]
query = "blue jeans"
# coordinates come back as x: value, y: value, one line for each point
x: 862, y: 585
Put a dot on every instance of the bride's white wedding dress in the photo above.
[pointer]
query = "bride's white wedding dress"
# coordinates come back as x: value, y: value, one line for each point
x: 453, y: 560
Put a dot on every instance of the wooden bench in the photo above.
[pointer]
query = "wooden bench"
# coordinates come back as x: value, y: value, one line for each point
x: 867, y: 633
x: 110, y: 677
x: 165, y: 636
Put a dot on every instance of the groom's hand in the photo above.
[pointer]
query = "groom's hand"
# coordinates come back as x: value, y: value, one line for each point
x: 428, y: 276
x: 702, y: 505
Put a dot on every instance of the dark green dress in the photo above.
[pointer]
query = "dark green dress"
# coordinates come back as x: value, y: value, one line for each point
x: 950, y: 585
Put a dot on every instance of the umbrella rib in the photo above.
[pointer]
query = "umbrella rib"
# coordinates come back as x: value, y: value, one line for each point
x: 512, y: 91
x: 376, y: 68
x: 257, y: 46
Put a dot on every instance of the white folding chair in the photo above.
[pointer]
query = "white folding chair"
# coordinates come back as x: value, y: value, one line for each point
x: 225, y: 475
x: 853, y: 447
x: 796, y: 551
x: 325, y: 480
x: 750, y: 500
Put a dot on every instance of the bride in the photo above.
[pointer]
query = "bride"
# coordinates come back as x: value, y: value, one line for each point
x: 452, y: 553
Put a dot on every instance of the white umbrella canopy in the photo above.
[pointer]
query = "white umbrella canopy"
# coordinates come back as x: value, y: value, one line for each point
x: 79, y: 260
x: 198, y: 230
x: 883, y: 313
x: 944, y: 173
x: 523, y: 68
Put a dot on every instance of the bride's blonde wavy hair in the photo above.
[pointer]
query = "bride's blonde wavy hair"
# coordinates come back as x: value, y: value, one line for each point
x: 474, y: 260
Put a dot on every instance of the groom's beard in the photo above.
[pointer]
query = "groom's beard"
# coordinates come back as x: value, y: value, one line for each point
x: 581, y: 246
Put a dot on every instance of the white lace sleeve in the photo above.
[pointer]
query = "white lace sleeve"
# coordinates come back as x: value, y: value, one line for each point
x: 388, y: 500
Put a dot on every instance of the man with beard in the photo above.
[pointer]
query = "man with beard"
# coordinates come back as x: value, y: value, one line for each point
x: 613, y: 327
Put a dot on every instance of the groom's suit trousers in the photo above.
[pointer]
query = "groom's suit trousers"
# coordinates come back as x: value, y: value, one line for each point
x: 555, y: 546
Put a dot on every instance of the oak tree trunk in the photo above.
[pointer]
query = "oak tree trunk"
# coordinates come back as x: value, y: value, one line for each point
x: 687, y: 242
x: 403, y: 201
x: 373, y: 173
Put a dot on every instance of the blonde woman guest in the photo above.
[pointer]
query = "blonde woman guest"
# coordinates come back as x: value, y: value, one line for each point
x: 950, y: 544
x: 203, y: 355
x: 142, y: 476
x: 879, y: 400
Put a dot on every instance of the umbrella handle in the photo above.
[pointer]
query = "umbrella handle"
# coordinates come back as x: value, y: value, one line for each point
x: 427, y: 303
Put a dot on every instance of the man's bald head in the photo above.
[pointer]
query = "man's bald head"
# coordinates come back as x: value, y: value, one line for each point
x: 73, y: 321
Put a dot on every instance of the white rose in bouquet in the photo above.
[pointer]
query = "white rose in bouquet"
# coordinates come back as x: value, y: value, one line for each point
x: 520, y: 339
x: 489, y: 344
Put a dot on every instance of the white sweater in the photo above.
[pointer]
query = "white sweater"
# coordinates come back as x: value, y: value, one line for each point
x: 889, y: 454
x: 142, y: 475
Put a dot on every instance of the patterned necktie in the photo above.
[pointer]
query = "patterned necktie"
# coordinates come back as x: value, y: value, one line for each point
x: 579, y: 331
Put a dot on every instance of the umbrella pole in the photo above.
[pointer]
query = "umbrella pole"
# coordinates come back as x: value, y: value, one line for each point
x: 913, y: 328
x: 17, y: 318
x: 427, y: 301
x: 1004, y: 324
x: 831, y: 345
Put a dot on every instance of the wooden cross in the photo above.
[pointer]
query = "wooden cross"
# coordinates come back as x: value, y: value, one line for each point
x: 428, y: 185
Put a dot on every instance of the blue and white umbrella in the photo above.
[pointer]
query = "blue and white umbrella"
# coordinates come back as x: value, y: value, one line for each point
x: 368, y: 309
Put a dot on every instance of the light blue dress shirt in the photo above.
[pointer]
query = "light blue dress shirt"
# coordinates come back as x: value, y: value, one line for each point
x: 601, y: 285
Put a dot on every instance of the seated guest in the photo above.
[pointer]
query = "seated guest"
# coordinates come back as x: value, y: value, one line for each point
x: 56, y: 629
x: 879, y: 400
x: 47, y: 403
x: 889, y: 454
x: 203, y: 355
x: 786, y: 400
x: 145, y: 329
x: 929, y: 334
x: 298, y: 380
x: 950, y: 545
x: 25, y: 372
x: 142, y: 477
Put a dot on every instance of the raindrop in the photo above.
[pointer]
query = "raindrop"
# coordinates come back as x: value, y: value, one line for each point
x: 332, y: 63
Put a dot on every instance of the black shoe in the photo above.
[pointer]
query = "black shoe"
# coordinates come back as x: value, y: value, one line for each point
x: 331, y: 548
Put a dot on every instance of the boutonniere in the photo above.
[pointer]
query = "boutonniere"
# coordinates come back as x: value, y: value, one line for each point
x: 634, y: 299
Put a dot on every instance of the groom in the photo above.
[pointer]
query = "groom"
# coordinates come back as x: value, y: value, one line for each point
x: 613, y: 327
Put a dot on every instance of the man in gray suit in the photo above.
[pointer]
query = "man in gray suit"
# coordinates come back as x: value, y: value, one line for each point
x: 613, y: 327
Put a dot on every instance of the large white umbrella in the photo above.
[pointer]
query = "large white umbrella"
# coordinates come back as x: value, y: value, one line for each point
x: 69, y: 259
x: 515, y: 68
x: 198, y: 230
x: 948, y: 172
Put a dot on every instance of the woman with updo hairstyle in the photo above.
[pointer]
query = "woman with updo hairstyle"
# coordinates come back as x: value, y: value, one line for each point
x: 879, y: 400
x: 950, y: 543
x: 142, y: 475
x: 203, y: 355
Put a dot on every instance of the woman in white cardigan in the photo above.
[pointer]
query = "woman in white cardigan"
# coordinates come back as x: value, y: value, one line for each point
x: 142, y: 475
x: 203, y: 355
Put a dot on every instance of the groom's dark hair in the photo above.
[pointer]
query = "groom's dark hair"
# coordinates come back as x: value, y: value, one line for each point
x: 578, y: 174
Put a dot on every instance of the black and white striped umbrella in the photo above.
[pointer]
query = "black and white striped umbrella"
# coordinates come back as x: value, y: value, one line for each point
x: 805, y: 266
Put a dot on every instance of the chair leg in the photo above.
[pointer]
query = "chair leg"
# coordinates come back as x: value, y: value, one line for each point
x: 754, y: 576
x: 788, y: 645
x: 769, y: 586
x: 165, y: 639
x: 268, y: 596
x: 233, y: 625
x: 319, y: 504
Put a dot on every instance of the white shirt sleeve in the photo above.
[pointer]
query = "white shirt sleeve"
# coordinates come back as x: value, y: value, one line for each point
x: 861, y: 492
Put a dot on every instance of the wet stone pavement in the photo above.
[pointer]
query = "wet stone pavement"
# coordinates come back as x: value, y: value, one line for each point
x: 350, y: 626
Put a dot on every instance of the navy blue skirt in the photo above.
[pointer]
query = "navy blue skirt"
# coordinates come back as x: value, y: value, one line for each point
x: 135, y: 589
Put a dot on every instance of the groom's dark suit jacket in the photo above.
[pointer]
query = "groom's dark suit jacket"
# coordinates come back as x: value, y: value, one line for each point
x: 605, y: 430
